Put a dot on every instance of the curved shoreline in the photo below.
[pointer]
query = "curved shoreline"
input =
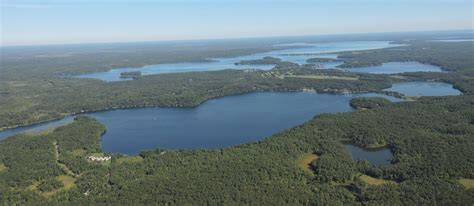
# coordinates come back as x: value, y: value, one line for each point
x: 322, y: 91
x: 326, y: 90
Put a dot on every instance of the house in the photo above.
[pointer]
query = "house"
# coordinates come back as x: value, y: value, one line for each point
x: 99, y: 159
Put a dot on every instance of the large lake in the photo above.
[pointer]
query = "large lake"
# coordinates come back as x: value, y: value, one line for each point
x: 225, y: 121
x: 297, y: 55
x: 217, y: 123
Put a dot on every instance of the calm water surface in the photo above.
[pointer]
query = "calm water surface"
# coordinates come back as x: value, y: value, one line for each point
x: 397, y: 67
x: 223, y: 122
x: 296, y: 55
x: 378, y: 157
x: 216, y: 123
x: 452, y: 40
x: 424, y: 89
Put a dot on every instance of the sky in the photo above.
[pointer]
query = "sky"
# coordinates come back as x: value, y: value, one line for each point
x: 31, y: 22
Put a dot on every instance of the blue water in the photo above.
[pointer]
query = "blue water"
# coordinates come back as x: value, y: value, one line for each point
x: 424, y: 89
x: 36, y: 128
x: 296, y: 55
x: 224, y: 121
x: 453, y: 40
x: 397, y: 67
x: 382, y: 156
x: 216, y: 123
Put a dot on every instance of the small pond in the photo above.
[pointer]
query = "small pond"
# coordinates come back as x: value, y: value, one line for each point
x: 377, y: 157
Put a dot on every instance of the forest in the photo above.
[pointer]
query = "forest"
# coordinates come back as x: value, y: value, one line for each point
x: 425, y: 170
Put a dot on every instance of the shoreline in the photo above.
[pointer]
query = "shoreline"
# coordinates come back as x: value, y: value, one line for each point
x: 85, y: 112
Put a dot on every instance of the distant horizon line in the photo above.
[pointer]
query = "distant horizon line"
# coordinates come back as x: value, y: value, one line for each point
x: 230, y: 38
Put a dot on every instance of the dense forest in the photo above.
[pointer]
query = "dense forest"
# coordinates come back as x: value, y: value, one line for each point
x: 431, y: 138
x: 263, y: 61
x: 320, y: 60
x: 429, y: 160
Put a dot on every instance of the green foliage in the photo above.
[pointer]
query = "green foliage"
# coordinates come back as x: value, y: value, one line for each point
x: 369, y: 102
x: 28, y: 158
x: 337, y: 167
x: 60, y: 97
x: 49, y: 185
x: 449, y: 56
x: 264, y: 61
x: 321, y: 60
x: 429, y: 159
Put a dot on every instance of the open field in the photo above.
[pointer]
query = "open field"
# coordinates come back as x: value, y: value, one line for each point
x: 322, y: 77
x: 3, y: 167
x: 375, y: 181
x: 467, y: 183
x: 304, y: 162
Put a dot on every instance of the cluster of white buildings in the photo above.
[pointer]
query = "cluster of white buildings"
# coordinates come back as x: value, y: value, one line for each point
x: 99, y: 159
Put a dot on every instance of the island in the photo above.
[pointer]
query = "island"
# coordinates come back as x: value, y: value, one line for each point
x: 322, y: 60
x: 131, y: 75
x: 264, y: 61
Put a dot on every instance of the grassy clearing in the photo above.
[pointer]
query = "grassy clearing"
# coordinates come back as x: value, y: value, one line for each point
x: 375, y: 181
x: 68, y: 183
x: 322, y: 77
x: 304, y: 162
x: 3, y: 168
x: 467, y: 183
x: 78, y: 152
x: 33, y: 186
x: 133, y: 159
x: 376, y: 146
x: 97, y: 154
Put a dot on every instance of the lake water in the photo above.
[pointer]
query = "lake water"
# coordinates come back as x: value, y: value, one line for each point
x: 296, y: 55
x: 378, y: 157
x: 36, y: 128
x: 424, y: 89
x: 452, y: 40
x: 225, y: 121
x: 217, y: 123
x: 397, y: 67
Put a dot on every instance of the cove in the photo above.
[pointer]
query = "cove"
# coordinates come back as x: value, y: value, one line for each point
x: 396, y: 67
x: 217, y: 123
x: 297, y: 55
x: 424, y: 89
x: 377, y: 157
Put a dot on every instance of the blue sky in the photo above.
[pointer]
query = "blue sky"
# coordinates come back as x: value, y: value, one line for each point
x: 25, y: 22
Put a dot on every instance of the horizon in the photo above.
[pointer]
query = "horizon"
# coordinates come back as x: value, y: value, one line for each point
x: 238, y: 38
x: 119, y: 21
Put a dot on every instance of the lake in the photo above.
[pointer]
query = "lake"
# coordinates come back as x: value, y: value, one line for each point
x: 424, y: 89
x: 297, y: 55
x: 452, y: 40
x: 396, y: 67
x: 377, y: 157
x: 217, y: 123
x: 225, y: 121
